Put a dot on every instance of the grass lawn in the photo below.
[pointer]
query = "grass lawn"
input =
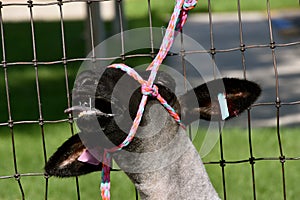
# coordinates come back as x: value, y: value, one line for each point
x: 164, y: 8
x: 238, y: 176
x: 28, y: 140
x: 268, y: 175
x: 30, y: 159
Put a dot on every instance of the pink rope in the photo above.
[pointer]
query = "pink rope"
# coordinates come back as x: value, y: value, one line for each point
x: 177, y: 21
x: 188, y: 5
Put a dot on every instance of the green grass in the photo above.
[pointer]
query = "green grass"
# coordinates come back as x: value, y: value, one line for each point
x: 164, y: 8
x: 137, y: 12
x: 29, y: 154
x: 21, y: 78
x: 268, y: 174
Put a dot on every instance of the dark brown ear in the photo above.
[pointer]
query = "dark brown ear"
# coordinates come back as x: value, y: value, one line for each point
x: 64, y: 162
x: 240, y: 94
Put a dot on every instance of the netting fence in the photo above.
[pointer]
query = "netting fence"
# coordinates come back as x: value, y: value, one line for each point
x: 24, y: 101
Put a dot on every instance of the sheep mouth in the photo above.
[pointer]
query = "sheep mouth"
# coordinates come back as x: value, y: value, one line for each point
x: 82, y: 111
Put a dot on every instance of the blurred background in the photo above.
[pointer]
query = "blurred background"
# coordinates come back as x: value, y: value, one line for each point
x: 45, y: 41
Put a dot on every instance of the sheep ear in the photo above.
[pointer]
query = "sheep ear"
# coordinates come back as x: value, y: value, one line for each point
x: 240, y: 94
x: 65, y: 162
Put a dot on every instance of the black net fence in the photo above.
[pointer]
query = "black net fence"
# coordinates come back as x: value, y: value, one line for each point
x: 41, y: 56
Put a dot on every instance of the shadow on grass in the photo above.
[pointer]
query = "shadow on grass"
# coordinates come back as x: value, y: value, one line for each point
x: 21, y: 78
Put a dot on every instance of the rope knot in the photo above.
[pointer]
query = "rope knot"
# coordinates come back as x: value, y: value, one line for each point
x: 149, y: 91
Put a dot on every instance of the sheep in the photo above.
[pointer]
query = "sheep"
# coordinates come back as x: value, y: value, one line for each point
x: 161, y: 160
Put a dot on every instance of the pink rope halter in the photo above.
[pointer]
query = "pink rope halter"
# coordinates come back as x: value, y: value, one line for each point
x: 177, y: 21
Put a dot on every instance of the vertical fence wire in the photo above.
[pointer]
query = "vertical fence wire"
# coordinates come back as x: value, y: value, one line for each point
x: 91, y: 29
x: 252, y: 160
x: 278, y: 100
x: 37, y: 83
x: 213, y: 58
x: 10, y: 119
x: 184, y: 71
x: 242, y: 49
x: 120, y: 15
x: 151, y: 29
x: 65, y: 61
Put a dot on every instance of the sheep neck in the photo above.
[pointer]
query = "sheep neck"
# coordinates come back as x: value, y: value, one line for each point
x: 164, y: 164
